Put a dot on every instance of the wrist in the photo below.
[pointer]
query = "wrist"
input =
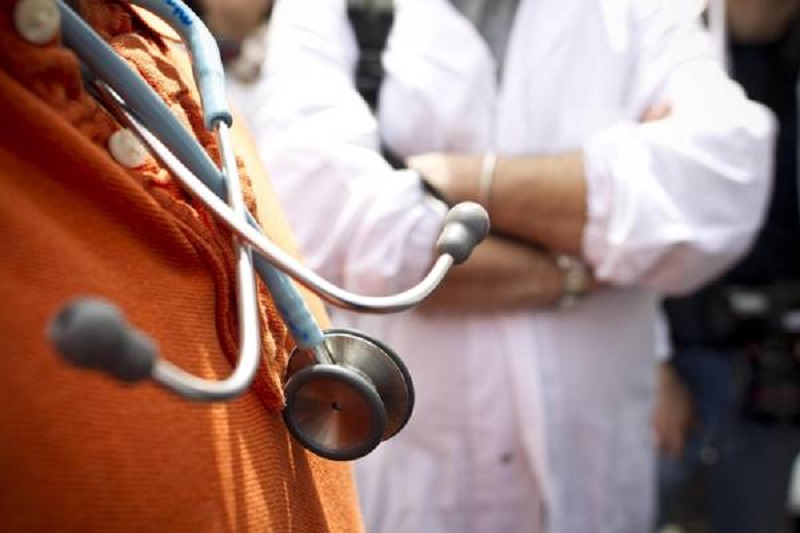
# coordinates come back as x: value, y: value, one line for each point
x: 469, y: 178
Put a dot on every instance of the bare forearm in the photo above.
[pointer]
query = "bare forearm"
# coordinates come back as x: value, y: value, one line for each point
x: 501, y: 274
x: 541, y: 200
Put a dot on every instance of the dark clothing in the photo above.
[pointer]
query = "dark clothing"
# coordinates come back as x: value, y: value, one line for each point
x: 770, y: 77
x: 769, y: 74
x: 743, y: 463
x: 734, y: 472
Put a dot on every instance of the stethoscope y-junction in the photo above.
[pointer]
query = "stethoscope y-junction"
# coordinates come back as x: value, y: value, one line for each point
x: 345, y: 392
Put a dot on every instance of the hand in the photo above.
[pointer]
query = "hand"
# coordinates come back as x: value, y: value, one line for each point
x: 455, y: 176
x: 501, y: 275
x: 674, y: 414
x: 656, y: 112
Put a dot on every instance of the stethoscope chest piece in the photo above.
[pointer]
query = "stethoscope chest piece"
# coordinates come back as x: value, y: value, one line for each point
x: 343, y: 409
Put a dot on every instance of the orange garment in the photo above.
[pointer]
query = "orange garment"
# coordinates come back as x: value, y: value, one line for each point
x: 80, y: 451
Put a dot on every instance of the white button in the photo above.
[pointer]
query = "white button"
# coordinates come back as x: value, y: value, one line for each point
x: 37, y: 21
x: 126, y: 149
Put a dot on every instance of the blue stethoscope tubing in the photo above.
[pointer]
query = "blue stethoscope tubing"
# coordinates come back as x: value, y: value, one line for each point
x: 134, y: 103
x: 106, y: 65
x: 464, y: 227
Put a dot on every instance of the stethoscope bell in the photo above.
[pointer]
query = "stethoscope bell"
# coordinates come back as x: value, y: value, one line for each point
x: 343, y: 409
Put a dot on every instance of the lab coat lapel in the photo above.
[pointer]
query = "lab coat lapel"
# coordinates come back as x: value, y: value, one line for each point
x: 535, y: 73
x: 439, y: 91
x: 550, y: 100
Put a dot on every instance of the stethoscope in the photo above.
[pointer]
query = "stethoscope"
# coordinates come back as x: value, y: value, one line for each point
x: 345, y: 392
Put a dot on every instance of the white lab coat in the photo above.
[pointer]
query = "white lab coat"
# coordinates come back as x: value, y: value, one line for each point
x: 534, y: 417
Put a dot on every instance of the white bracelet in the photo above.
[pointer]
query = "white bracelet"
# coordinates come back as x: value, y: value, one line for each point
x: 488, y: 165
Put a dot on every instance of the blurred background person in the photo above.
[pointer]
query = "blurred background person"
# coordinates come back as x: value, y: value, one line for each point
x: 606, y: 142
x: 732, y: 390
x: 448, y: 476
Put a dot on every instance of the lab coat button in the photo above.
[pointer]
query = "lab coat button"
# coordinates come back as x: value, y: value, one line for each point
x: 506, y: 458
x: 37, y: 21
x: 126, y: 149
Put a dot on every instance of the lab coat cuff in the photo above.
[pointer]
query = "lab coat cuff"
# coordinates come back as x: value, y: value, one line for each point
x: 603, y: 186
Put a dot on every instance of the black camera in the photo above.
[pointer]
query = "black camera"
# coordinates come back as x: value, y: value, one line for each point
x: 765, y: 322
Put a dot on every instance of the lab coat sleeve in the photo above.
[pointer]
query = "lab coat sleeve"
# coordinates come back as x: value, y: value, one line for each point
x: 672, y: 203
x: 358, y: 222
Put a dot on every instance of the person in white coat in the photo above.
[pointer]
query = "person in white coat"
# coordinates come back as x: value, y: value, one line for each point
x: 530, y: 416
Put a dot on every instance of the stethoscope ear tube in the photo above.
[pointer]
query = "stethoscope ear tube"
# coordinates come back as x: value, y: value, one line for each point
x: 209, y: 73
x: 466, y: 226
x: 192, y: 166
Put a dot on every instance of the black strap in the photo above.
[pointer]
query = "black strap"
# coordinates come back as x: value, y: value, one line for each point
x: 371, y: 26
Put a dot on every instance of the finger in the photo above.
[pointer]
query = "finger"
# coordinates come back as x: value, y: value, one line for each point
x: 656, y: 112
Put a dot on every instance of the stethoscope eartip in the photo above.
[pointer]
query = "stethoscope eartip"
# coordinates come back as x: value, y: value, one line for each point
x: 92, y: 333
x: 473, y: 215
x: 465, y: 226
